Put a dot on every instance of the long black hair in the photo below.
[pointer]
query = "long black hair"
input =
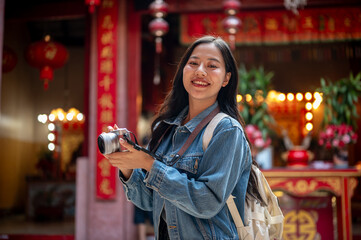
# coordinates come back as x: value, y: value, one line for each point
x: 177, y: 98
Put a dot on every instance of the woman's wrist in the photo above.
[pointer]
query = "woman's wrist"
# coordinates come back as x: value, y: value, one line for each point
x: 126, y: 173
x: 149, y: 164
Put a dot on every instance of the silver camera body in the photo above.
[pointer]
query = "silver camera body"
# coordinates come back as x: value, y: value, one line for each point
x: 109, y: 142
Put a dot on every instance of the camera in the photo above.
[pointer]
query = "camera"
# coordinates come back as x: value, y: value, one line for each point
x: 109, y: 142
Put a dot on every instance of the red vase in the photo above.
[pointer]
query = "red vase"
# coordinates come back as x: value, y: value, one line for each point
x: 298, y: 158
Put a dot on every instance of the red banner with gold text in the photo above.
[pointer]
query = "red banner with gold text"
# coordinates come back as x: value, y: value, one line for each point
x: 106, y: 87
x: 277, y: 27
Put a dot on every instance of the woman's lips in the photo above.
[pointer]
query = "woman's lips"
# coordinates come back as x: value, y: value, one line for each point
x: 200, y: 82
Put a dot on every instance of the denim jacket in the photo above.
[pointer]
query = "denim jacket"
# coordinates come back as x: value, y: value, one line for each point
x: 193, y: 192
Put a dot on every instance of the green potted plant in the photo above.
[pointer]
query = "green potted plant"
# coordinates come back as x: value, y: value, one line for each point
x: 340, y: 114
x: 254, y: 87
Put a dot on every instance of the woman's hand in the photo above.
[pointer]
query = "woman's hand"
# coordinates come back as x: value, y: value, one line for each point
x: 130, y: 158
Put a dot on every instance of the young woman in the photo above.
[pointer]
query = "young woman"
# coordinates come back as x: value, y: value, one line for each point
x: 188, y: 196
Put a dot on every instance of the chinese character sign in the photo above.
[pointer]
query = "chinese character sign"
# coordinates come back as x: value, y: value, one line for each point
x: 276, y: 26
x: 106, y: 88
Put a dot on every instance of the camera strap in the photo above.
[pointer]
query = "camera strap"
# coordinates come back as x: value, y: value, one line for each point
x: 194, y: 134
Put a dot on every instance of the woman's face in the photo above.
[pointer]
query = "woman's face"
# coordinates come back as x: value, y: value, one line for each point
x: 204, y: 74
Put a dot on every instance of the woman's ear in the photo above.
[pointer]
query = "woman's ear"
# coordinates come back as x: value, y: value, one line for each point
x: 226, y: 79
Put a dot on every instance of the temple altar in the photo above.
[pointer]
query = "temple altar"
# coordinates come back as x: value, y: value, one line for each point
x: 316, y: 203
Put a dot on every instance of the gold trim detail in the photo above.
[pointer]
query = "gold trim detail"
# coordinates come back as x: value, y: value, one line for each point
x: 352, y: 185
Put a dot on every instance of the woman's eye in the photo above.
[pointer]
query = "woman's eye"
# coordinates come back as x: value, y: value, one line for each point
x: 212, y: 66
x: 193, y: 63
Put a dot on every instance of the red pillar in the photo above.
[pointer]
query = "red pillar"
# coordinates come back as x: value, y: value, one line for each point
x: 133, y: 67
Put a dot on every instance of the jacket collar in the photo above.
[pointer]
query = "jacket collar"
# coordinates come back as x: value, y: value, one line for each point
x: 192, y: 124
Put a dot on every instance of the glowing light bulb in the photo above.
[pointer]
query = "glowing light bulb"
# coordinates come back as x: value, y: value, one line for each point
x: 308, y: 96
x: 52, y: 117
x: 61, y: 116
x: 51, y: 137
x: 51, y: 127
x: 42, y: 118
x: 51, y: 146
x: 80, y: 116
x: 290, y: 97
x: 281, y: 97
x: 69, y: 116
x: 308, y: 106
x: 309, y: 116
x: 299, y: 97
x: 309, y: 126
x: 318, y: 100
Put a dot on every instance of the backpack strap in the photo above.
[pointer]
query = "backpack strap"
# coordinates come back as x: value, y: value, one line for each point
x: 208, y: 133
x: 207, y: 136
x: 234, y: 212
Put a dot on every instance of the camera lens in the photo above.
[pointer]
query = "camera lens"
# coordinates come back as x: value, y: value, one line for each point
x: 108, y: 143
x: 101, y: 144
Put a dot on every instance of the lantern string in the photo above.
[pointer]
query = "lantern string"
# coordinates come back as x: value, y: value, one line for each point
x: 232, y: 41
x: 158, y: 45
x: 156, y: 79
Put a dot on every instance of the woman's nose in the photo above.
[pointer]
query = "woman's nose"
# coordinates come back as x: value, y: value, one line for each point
x: 200, y: 72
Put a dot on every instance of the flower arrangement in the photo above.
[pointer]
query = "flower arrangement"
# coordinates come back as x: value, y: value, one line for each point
x: 340, y: 100
x: 256, y: 139
x: 256, y: 83
x: 337, y: 136
x: 340, y: 116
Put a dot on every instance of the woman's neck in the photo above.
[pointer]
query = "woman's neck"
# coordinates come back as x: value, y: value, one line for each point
x: 196, y: 108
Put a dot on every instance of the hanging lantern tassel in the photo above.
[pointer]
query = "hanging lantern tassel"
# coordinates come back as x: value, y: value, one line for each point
x: 46, y: 74
x: 156, y: 79
x: 232, y: 41
x: 158, y: 50
x: 158, y: 45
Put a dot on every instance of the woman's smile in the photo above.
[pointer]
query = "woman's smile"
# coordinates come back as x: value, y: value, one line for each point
x: 200, y: 83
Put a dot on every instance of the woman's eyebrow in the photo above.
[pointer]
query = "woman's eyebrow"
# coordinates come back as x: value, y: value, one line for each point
x: 212, y: 59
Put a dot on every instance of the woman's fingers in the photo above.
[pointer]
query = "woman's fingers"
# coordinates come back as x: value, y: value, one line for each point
x: 110, y: 128
x: 125, y: 144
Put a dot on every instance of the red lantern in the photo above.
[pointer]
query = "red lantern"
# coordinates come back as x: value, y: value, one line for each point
x: 232, y: 24
x: 158, y: 27
x: 9, y: 60
x: 231, y: 7
x: 46, y: 55
x: 92, y: 4
x: 158, y: 8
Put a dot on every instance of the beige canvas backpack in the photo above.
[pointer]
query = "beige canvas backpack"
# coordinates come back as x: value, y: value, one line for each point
x: 261, y: 222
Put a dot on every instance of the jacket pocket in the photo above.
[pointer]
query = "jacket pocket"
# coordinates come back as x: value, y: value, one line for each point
x: 188, y: 164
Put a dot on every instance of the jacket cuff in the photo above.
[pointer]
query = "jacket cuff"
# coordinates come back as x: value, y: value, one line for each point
x: 155, y: 176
